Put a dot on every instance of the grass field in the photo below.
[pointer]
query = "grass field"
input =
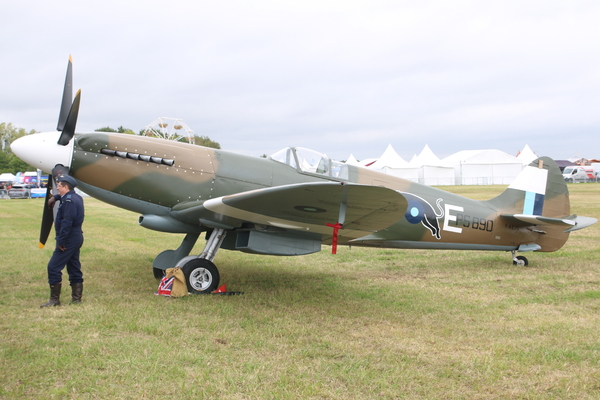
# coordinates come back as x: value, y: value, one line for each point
x: 366, y: 323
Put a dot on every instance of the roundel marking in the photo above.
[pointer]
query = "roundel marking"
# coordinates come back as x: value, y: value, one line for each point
x: 415, y: 212
x: 310, y: 209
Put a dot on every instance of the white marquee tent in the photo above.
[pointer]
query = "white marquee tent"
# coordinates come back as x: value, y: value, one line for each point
x: 389, y: 159
x: 392, y: 164
x: 526, y: 156
x: 467, y: 167
x: 424, y: 168
x: 7, y: 177
x: 432, y: 171
x: 352, y: 160
x: 484, y: 167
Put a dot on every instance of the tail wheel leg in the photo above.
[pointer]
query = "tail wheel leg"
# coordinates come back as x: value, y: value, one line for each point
x: 519, y: 260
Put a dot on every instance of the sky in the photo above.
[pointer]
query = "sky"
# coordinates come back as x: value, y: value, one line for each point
x: 340, y: 77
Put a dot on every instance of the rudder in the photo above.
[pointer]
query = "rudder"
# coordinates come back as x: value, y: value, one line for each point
x: 538, y: 190
x: 538, y: 199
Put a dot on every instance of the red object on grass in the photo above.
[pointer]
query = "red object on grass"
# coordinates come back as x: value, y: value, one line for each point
x: 221, y: 289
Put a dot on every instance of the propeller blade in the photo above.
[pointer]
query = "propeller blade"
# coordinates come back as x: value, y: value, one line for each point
x: 69, y: 128
x: 67, y: 99
x: 50, y: 213
x: 47, y: 216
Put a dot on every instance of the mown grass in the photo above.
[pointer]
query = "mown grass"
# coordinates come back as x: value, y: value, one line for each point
x: 365, y: 323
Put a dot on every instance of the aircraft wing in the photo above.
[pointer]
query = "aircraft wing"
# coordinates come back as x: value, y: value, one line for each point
x: 572, y: 222
x: 310, y: 206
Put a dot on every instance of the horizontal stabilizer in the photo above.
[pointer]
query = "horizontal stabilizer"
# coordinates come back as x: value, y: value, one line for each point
x: 581, y: 222
x: 573, y: 222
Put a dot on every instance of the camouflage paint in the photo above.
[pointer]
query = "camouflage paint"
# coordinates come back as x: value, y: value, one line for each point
x: 433, y: 218
x: 190, y: 178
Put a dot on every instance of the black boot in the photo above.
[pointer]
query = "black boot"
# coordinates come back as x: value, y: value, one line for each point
x: 54, y: 296
x: 76, y: 292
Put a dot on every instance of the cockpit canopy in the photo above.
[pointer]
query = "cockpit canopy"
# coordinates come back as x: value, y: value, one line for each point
x: 311, y: 162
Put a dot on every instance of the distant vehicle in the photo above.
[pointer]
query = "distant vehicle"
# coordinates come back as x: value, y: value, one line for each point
x: 20, y: 192
x: 38, y: 193
x: 578, y: 173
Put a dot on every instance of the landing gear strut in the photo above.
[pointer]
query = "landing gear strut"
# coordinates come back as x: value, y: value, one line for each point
x: 201, y: 275
x: 519, y: 260
x: 168, y: 258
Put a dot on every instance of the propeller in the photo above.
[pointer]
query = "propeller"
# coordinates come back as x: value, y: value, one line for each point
x: 67, y: 121
x: 69, y: 128
x: 69, y: 109
x: 67, y: 99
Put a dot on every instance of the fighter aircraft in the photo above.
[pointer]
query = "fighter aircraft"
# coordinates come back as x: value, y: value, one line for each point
x: 290, y: 203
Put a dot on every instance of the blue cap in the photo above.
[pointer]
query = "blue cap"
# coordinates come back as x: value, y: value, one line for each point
x: 68, y: 179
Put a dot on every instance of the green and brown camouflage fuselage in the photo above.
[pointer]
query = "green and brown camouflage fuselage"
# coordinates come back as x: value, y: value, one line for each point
x: 173, y: 181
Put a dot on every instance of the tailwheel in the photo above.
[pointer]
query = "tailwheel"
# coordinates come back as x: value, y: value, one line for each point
x: 201, y: 276
x: 520, y: 260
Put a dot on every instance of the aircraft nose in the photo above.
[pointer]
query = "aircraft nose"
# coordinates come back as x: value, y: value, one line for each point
x: 41, y: 150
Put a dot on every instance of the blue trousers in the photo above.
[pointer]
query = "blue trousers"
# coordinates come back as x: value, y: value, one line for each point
x: 68, y: 258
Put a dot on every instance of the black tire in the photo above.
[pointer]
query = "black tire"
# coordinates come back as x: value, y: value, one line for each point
x: 158, y: 273
x: 520, y: 260
x: 201, y: 276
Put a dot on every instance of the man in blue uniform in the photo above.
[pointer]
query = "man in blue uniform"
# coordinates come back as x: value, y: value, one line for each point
x: 69, y: 239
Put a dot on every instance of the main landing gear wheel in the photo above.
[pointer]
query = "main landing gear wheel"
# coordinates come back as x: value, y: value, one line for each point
x: 520, y: 260
x: 201, y: 276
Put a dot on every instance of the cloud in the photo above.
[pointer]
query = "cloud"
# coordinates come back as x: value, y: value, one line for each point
x: 339, y: 77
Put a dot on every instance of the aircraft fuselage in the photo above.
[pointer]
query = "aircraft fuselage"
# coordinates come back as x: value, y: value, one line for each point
x: 158, y: 177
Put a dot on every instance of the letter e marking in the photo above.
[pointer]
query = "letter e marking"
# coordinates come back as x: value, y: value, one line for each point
x: 448, y: 208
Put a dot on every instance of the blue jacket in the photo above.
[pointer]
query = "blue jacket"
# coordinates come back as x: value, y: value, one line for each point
x: 69, y: 217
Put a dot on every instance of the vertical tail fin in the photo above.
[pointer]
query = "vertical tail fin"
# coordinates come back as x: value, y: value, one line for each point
x: 538, y: 201
x: 539, y: 190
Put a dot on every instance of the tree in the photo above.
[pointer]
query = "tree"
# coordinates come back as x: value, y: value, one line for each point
x: 18, y: 165
x: 106, y: 129
x: 11, y: 163
x: 8, y: 161
x: 9, y: 133
x: 4, y: 162
x: 207, y: 142
x: 118, y: 130
x: 200, y: 140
